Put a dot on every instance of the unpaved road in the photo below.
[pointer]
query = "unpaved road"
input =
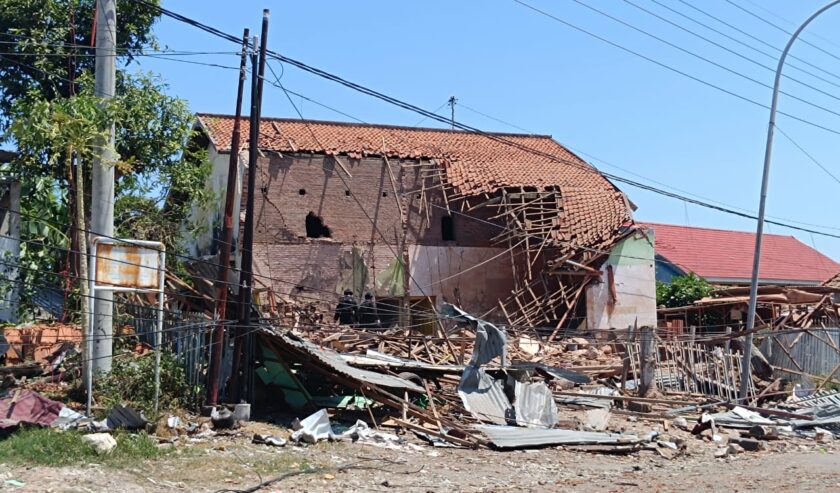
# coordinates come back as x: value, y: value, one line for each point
x: 235, y: 464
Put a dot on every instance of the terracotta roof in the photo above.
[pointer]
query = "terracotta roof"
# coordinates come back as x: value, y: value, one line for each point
x: 719, y: 254
x: 473, y: 163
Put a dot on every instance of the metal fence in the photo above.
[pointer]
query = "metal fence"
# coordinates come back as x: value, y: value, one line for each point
x: 186, y: 334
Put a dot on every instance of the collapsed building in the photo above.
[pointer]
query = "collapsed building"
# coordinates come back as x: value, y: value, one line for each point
x: 515, y: 228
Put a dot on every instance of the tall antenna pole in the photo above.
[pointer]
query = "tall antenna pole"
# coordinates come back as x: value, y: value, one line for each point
x: 452, y: 103
x: 102, y: 190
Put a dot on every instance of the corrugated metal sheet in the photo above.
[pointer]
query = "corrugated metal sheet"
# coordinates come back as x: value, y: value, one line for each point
x: 484, y: 396
x: 490, y: 341
x: 534, y: 405
x: 515, y: 437
x: 812, y: 352
x: 337, y: 364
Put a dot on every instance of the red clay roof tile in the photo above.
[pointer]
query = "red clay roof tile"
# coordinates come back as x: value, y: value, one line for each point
x: 725, y: 254
x: 473, y: 163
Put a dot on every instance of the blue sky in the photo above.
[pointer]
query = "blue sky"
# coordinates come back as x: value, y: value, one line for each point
x: 629, y: 116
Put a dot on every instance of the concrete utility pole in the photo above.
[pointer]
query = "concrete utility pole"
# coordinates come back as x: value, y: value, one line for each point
x: 746, y: 368
x: 102, y: 191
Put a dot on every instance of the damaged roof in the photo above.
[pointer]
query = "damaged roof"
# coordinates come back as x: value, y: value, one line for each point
x: 475, y: 163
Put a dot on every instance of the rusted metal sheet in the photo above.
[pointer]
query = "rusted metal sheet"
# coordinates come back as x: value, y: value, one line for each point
x: 126, y: 265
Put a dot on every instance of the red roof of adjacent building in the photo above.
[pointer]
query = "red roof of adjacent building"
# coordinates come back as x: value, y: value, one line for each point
x: 473, y: 163
x: 720, y: 255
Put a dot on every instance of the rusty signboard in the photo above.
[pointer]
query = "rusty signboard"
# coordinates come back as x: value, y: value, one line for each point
x: 128, y: 265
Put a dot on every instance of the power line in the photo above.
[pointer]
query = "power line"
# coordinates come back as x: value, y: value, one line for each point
x: 729, y: 50
x: 756, y: 38
x: 612, y: 165
x: 747, y: 45
x: 812, y: 158
x: 668, y: 67
x: 710, y: 61
x: 789, y: 33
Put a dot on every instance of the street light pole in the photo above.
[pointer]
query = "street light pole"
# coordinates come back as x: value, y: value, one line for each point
x: 746, y: 369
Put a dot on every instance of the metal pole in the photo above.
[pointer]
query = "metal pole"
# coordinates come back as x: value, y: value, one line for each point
x: 102, y: 188
x: 746, y: 369
x: 159, y: 333
x: 248, y: 233
x: 89, y: 347
x: 452, y: 102
x: 227, y: 229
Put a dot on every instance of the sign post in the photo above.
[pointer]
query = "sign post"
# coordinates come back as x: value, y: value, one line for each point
x: 126, y: 266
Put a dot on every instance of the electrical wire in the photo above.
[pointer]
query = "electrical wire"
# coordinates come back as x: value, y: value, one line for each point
x: 792, y: 65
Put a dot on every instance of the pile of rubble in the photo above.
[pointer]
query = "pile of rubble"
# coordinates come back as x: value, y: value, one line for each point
x: 476, y: 385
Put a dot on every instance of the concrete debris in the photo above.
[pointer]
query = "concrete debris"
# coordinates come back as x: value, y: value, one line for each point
x: 734, y: 449
x: 597, y: 419
x: 764, y: 432
x: 102, y: 442
x: 749, y: 444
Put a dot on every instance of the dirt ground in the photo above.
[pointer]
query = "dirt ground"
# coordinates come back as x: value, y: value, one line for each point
x: 231, y: 463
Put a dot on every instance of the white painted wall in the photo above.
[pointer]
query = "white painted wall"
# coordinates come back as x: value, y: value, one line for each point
x: 632, y: 261
x: 208, y: 218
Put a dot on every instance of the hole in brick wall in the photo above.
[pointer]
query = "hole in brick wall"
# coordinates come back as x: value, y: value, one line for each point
x: 447, y: 228
x: 347, y: 193
x: 315, y: 227
x: 302, y: 191
x: 384, y: 194
x: 418, y: 196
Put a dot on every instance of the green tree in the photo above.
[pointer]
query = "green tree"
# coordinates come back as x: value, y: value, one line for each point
x: 38, y: 38
x: 157, y: 179
x: 682, y: 291
x: 68, y: 129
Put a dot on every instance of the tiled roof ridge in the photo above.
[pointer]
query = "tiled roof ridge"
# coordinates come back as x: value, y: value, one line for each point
x: 384, y: 126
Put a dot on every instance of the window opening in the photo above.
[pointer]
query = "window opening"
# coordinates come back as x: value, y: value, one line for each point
x: 447, y: 228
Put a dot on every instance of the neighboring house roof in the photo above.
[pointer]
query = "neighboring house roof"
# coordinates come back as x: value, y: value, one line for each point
x: 474, y: 163
x: 727, y: 256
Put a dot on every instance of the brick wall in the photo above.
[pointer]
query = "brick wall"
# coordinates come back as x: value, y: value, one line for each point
x: 291, y: 186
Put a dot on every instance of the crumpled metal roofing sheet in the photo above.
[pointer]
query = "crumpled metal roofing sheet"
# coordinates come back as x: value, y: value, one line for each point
x: 484, y: 396
x: 534, y: 405
x: 337, y: 363
x: 515, y: 437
